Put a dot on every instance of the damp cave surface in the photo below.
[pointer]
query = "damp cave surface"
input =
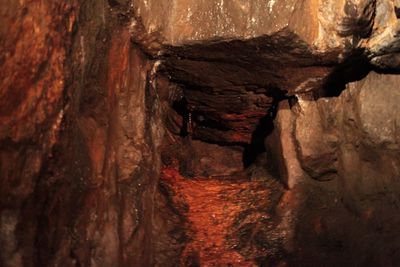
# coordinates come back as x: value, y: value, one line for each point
x: 230, y: 196
x: 223, y: 167
x: 199, y: 133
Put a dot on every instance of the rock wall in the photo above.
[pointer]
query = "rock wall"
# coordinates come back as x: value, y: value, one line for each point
x: 367, y: 163
x: 33, y: 78
x: 168, y: 133
x: 345, y: 166
x: 80, y: 136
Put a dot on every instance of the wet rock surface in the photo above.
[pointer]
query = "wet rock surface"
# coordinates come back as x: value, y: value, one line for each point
x: 199, y: 133
x: 230, y: 86
x: 229, y: 222
x: 354, y: 162
x: 72, y: 190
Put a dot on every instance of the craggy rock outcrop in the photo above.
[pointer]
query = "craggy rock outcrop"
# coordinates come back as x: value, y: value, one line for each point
x: 232, y: 79
x: 171, y: 132
x: 349, y: 150
x: 80, y: 136
x: 33, y: 77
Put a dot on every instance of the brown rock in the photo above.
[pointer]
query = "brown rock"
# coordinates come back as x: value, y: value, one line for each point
x: 94, y: 93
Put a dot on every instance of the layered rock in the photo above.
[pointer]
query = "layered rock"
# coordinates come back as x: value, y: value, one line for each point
x: 93, y: 93
x: 231, y: 77
x: 33, y: 77
x: 80, y: 136
x: 351, y: 149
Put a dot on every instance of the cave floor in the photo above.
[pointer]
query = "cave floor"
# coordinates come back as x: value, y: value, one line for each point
x: 229, y: 220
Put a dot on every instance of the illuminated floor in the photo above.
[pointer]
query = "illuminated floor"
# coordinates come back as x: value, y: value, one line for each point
x: 229, y: 221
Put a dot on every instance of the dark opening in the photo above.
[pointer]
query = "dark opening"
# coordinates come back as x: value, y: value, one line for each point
x: 113, y: 3
x: 397, y: 11
x: 354, y: 68
x: 264, y: 128
x: 181, y: 107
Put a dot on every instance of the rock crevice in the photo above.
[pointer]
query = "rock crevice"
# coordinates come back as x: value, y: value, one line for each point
x: 199, y: 133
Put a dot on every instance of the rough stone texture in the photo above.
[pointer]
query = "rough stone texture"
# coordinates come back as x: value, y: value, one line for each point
x: 352, y: 217
x: 80, y: 135
x: 225, y: 99
x: 233, y: 78
x: 228, y: 222
x: 33, y: 77
x: 206, y: 160
x: 322, y: 24
x: 283, y: 147
x: 364, y: 117
x: 231, y: 88
x: 318, y: 156
x: 181, y: 21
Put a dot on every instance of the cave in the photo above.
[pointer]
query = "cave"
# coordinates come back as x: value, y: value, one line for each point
x: 199, y: 133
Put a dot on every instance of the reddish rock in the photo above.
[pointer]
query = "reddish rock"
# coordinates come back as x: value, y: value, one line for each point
x: 168, y: 133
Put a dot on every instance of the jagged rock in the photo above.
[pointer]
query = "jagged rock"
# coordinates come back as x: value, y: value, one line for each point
x: 364, y: 155
x: 75, y: 166
x: 364, y: 116
x: 319, y: 43
x: 93, y: 94
x: 317, y: 155
x: 282, y: 145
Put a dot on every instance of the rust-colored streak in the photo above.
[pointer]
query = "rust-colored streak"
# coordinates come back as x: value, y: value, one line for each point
x: 118, y: 59
x: 32, y: 63
x: 244, y: 116
x: 213, y: 206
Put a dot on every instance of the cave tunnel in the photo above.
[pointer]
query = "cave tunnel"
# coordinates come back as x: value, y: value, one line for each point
x: 199, y: 133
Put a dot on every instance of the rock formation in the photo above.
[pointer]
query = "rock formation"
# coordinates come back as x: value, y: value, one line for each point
x: 199, y: 133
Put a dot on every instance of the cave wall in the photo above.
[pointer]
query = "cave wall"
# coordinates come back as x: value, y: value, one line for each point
x: 87, y: 90
x: 80, y: 136
x: 33, y: 78
x: 340, y: 155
